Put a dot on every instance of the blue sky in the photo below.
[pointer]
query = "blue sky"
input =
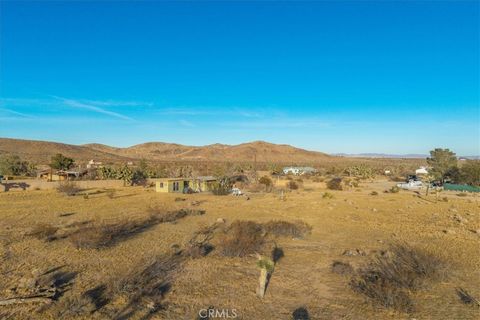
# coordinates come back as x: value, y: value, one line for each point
x: 393, y: 77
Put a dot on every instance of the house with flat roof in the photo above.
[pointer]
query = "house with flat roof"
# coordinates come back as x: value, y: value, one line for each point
x: 185, y: 185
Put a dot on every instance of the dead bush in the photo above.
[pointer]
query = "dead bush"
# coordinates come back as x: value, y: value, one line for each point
x: 335, y: 184
x: 242, y: 238
x: 388, y: 280
x: 107, y: 235
x: 160, y: 216
x: 393, y: 189
x: 68, y: 188
x: 44, y: 231
x: 342, y: 268
x: 146, y: 285
x: 267, y: 182
x: 298, y: 229
x: 374, y: 193
x: 327, y: 195
x: 466, y: 297
x: 292, y: 185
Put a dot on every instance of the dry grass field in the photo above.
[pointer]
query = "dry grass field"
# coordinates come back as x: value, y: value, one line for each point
x: 48, y: 244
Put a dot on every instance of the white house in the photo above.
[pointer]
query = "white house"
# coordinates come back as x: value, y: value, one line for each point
x: 93, y: 164
x: 298, y: 170
x: 421, y: 170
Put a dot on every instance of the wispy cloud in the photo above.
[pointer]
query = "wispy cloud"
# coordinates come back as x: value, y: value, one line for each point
x: 8, y: 111
x: 89, y: 106
x: 212, y: 111
x: 114, y: 103
x: 186, y: 123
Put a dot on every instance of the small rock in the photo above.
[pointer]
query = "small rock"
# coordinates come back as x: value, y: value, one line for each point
x: 220, y: 220
x: 175, y: 248
x: 448, y: 231
x: 460, y: 219
x: 374, y: 210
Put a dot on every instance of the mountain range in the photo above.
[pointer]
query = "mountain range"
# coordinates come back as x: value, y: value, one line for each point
x: 42, y: 151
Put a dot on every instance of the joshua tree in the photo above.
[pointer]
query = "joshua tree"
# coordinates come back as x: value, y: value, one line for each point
x: 266, y: 269
x: 428, y: 179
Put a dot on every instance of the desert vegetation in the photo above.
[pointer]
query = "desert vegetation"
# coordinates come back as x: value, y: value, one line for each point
x: 131, y: 253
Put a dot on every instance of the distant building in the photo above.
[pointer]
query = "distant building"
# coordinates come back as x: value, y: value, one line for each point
x: 60, y: 175
x: 299, y: 170
x: 185, y: 185
x: 92, y: 164
x: 421, y: 170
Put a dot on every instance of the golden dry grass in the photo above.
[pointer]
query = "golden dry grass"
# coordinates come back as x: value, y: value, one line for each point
x: 352, y: 219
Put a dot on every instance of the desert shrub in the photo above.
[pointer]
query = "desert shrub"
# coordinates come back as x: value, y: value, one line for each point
x: 342, y: 268
x: 107, y: 235
x: 388, y: 280
x: 267, y: 182
x: 292, y: 185
x: 335, y: 184
x: 241, y: 239
x: 14, y: 166
x: 327, y: 195
x: 374, y: 193
x: 159, y: 216
x: 393, y: 189
x: 68, y: 188
x: 147, y: 282
x: 470, y: 173
x: 44, y: 232
x: 221, y: 187
x: 283, y: 228
x: 300, y: 314
x: 361, y: 171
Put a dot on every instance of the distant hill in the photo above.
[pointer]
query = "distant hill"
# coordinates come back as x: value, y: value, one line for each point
x: 41, y: 152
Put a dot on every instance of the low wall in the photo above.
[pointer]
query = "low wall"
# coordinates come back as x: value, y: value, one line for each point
x: 33, y: 184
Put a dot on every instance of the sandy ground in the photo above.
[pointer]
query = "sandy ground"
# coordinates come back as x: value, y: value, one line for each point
x: 352, y: 219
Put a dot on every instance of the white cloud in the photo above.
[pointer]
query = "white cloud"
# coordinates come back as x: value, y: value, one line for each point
x: 24, y: 115
x: 91, y: 107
